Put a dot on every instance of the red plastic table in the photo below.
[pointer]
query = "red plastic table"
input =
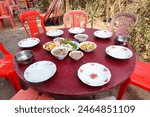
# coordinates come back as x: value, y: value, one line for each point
x: 66, y: 82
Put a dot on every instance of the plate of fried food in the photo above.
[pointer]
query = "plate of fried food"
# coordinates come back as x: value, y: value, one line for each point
x: 50, y: 45
x: 88, y: 46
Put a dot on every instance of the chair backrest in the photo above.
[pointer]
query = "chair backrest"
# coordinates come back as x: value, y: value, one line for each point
x: 30, y: 18
x: 12, y: 6
x: 123, y: 22
x: 75, y: 18
x: 4, y: 8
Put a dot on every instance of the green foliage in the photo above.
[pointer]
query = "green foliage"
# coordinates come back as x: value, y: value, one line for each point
x: 141, y: 33
x: 43, y: 4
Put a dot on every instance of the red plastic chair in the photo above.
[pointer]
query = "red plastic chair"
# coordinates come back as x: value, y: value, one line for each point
x: 140, y: 77
x: 123, y: 22
x: 75, y: 18
x: 7, y: 70
x: 30, y: 94
x: 30, y: 17
x: 13, y: 7
x: 5, y: 13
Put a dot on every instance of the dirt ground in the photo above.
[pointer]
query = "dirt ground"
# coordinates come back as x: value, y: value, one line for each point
x: 10, y: 38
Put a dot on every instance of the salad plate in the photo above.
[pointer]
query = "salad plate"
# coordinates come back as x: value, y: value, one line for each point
x: 103, y: 34
x: 28, y: 42
x: 70, y: 45
x: 76, y: 30
x: 119, y: 52
x: 40, y: 71
x: 94, y: 74
x: 54, y: 33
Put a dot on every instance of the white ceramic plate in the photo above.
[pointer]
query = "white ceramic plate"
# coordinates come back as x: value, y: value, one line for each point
x: 119, y: 52
x: 76, y: 30
x: 40, y: 71
x: 103, y: 34
x: 28, y: 42
x: 94, y: 74
x: 54, y: 33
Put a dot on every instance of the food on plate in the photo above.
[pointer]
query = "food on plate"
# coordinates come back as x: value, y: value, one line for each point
x: 50, y: 45
x: 88, y: 46
x: 71, y: 45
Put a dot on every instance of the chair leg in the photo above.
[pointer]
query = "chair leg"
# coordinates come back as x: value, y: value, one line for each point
x: 12, y: 23
x: 123, y: 88
x: 14, y: 79
x: 28, y: 94
x: 2, y: 21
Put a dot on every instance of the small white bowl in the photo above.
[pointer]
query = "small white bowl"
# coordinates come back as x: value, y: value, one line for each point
x: 59, y: 40
x: 76, y: 55
x: 59, y: 52
x: 88, y: 46
x: 81, y: 37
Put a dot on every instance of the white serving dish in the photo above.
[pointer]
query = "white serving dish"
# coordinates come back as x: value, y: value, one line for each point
x: 50, y: 45
x: 59, y: 52
x: 69, y: 45
x: 88, y: 46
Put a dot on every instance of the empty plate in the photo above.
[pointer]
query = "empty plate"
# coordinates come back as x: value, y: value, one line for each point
x: 103, y: 34
x: 119, y: 52
x: 76, y: 30
x: 28, y: 42
x: 40, y: 71
x: 94, y: 74
x: 54, y: 33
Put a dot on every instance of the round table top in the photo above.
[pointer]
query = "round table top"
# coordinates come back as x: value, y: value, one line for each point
x: 65, y: 82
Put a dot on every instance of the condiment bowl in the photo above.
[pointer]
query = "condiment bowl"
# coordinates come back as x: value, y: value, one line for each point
x: 76, y: 55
